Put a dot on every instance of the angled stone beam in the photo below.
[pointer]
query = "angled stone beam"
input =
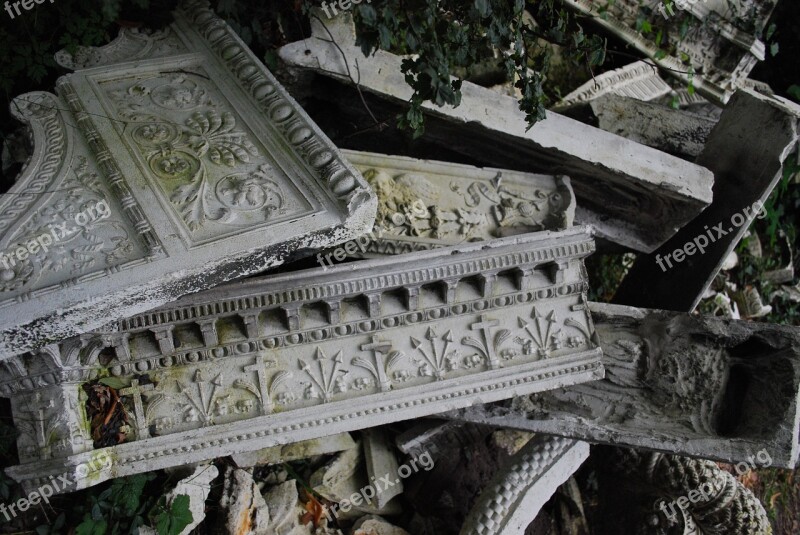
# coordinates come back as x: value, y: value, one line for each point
x: 425, y: 204
x: 746, y: 151
x: 632, y: 194
x: 513, y: 498
x: 677, y: 383
x: 307, y: 354
x: 166, y: 164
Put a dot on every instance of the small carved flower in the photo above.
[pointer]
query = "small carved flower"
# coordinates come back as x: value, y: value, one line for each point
x: 173, y: 165
x: 157, y: 133
x: 15, y: 276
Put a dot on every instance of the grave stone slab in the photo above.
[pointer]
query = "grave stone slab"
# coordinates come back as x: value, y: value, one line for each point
x: 698, y: 386
x: 297, y: 356
x: 166, y: 164
x: 632, y: 194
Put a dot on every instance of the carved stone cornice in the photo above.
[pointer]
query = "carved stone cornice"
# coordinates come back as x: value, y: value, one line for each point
x: 196, y: 153
x: 264, y: 362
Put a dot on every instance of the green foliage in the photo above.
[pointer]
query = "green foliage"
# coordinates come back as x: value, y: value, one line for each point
x: 445, y: 36
x: 172, y: 520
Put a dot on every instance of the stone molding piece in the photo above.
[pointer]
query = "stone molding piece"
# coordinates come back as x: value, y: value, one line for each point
x: 424, y: 204
x: 633, y: 195
x: 513, y: 498
x: 639, y: 80
x: 302, y: 355
x: 697, y: 386
x: 765, y: 129
x: 721, y: 54
x: 169, y: 163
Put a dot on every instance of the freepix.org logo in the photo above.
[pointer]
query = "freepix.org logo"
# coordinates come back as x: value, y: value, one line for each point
x: 27, y: 5
x: 56, y: 233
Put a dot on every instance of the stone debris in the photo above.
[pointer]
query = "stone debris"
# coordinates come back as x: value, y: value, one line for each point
x: 638, y: 80
x: 659, y: 197
x: 246, y: 512
x: 374, y: 525
x: 381, y: 461
x: 294, y: 451
x: 197, y: 487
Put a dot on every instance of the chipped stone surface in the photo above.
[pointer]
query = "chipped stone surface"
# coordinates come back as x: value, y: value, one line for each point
x: 514, y: 497
x: 197, y: 487
x: 697, y: 386
x: 675, y: 131
x: 295, y: 451
x: 632, y: 194
x: 301, y: 355
x: 246, y: 512
x: 381, y: 462
x: 424, y: 204
x: 203, y: 167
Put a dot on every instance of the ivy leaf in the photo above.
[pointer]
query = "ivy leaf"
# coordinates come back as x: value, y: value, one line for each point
x: 774, y: 48
x: 794, y: 92
x: 127, y: 492
x: 173, y: 520
x: 91, y: 527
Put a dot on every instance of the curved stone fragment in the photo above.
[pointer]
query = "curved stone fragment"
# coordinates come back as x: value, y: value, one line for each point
x: 511, y: 501
x: 168, y: 163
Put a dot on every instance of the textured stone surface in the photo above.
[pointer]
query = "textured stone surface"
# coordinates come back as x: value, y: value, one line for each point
x: 632, y: 194
x: 675, y: 131
x: 302, y: 355
x: 295, y: 451
x: 697, y: 386
x: 381, y: 462
x: 197, y: 487
x: 373, y: 525
x: 514, y: 497
x: 746, y: 151
x: 722, y: 47
x: 208, y: 169
x: 424, y: 204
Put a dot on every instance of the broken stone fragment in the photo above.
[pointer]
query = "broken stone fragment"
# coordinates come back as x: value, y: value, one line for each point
x: 659, y: 197
x: 382, y: 465
x: 375, y: 525
x: 344, y: 481
x: 295, y: 451
x: 156, y: 178
x: 698, y: 386
x: 197, y: 487
x: 246, y: 512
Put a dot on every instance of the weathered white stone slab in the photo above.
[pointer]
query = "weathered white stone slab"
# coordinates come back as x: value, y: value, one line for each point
x: 698, y: 386
x: 513, y: 498
x: 297, y: 356
x: 197, y: 487
x: 175, y: 163
x: 425, y: 204
x: 632, y: 194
